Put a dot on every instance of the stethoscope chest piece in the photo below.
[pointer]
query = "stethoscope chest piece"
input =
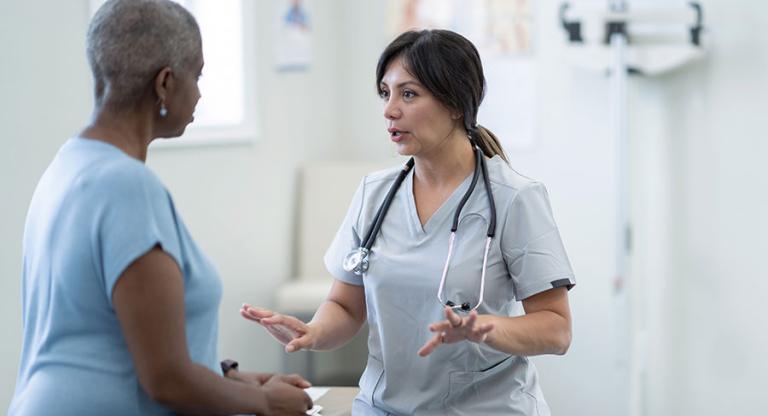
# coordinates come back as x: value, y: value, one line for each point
x: 356, y: 261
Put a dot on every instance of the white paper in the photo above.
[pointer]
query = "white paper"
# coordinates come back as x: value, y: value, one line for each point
x: 316, y: 392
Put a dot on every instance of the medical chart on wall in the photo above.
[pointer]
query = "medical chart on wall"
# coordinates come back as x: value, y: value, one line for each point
x: 502, y: 31
x: 294, y: 38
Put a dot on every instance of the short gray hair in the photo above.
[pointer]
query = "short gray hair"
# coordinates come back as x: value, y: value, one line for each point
x: 129, y: 41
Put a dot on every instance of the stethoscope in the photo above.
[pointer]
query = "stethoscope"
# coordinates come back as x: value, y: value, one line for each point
x: 357, y: 260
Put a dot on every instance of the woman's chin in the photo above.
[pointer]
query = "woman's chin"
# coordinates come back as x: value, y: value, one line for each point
x: 404, y: 150
x: 173, y: 134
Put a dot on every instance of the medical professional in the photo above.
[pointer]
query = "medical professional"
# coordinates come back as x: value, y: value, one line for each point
x: 454, y: 258
x: 120, y: 306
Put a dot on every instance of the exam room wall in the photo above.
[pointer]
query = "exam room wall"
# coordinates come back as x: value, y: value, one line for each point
x: 702, y: 197
x: 238, y: 200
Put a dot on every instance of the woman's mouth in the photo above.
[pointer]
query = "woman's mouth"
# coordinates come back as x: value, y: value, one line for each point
x: 396, y: 135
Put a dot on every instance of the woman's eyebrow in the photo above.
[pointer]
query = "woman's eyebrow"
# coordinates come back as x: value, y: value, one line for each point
x: 402, y: 84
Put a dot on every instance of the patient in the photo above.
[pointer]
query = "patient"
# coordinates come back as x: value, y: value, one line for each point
x: 120, y: 306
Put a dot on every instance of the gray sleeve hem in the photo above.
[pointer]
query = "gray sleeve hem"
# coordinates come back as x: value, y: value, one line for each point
x: 567, y: 281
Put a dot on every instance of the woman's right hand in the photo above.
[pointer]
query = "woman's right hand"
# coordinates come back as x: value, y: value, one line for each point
x: 285, y: 395
x: 286, y: 329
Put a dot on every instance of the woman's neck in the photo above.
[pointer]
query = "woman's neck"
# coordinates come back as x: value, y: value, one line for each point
x: 447, y: 167
x: 127, y: 130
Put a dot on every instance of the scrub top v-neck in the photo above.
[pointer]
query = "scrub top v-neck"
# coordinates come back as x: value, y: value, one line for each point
x: 526, y: 257
x: 443, y: 214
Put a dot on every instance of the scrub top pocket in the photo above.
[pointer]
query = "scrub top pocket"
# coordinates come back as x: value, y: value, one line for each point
x: 479, y: 392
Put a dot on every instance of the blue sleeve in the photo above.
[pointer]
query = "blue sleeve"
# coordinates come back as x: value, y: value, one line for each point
x: 347, y: 239
x: 135, y: 214
x: 531, y: 245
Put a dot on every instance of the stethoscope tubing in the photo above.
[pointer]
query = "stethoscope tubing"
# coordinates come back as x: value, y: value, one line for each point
x: 379, y: 218
x: 359, y: 257
x: 480, y: 166
x: 465, y: 197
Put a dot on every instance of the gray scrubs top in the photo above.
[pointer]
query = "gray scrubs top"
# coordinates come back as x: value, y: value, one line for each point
x: 406, y: 262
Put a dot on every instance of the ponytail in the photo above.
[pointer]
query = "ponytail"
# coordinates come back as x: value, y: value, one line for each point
x: 486, y: 141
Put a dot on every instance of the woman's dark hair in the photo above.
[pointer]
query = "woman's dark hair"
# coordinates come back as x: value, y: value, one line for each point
x: 449, y: 67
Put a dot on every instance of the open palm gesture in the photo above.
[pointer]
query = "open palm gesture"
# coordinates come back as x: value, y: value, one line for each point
x: 288, y: 330
x: 454, y: 329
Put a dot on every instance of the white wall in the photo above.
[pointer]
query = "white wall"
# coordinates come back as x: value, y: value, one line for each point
x: 698, y: 198
x: 701, y: 174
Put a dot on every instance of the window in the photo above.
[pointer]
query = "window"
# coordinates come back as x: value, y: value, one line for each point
x: 227, y: 112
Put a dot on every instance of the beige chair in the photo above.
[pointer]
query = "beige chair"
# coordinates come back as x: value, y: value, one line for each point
x: 325, y: 192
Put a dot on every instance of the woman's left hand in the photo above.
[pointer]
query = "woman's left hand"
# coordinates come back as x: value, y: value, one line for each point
x: 455, y: 329
x: 262, y: 378
x: 248, y: 377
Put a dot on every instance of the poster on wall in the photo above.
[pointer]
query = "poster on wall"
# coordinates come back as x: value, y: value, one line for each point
x: 502, y: 31
x: 294, y: 36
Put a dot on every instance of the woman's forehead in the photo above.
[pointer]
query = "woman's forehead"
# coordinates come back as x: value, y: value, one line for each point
x: 397, y: 72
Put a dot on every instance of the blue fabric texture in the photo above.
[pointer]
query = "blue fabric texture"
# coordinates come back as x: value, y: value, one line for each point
x: 94, y: 212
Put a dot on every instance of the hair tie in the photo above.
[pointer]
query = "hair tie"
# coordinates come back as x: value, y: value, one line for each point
x: 472, y: 135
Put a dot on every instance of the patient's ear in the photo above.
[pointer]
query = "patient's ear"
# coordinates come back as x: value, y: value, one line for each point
x: 163, y: 82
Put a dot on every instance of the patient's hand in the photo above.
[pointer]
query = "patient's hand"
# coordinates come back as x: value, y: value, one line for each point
x: 263, y: 378
x: 249, y: 377
x: 286, y: 329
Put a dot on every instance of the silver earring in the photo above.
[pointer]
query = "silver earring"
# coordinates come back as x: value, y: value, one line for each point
x: 163, y: 110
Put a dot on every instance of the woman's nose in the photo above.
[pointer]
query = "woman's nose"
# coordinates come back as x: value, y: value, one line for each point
x: 391, y: 110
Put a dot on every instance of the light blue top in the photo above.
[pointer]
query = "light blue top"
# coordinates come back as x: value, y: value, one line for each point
x: 94, y: 212
x: 406, y: 262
